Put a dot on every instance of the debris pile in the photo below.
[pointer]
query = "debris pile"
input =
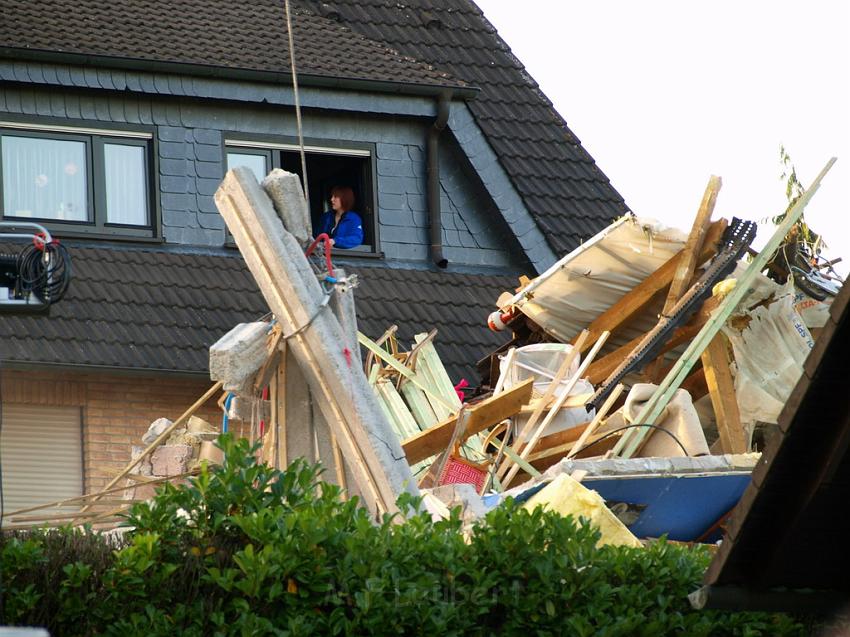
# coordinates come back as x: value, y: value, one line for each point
x: 637, y: 377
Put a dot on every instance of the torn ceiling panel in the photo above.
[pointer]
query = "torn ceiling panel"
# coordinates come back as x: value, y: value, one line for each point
x: 585, y: 283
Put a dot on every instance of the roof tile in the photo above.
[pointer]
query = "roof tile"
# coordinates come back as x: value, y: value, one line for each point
x: 106, y: 320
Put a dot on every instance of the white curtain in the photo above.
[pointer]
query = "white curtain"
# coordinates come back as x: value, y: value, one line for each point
x: 44, y: 178
x: 126, y: 194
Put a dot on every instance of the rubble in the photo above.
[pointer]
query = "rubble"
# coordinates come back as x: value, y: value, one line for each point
x: 634, y: 371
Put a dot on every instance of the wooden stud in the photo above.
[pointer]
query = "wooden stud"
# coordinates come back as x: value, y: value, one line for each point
x: 641, y: 295
x: 688, y: 260
x: 602, y: 368
x: 279, y: 406
x: 721, y: 388
x: 481, y: 416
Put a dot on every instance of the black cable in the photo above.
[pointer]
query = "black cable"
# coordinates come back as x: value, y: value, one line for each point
x: 47, y: 278
x: 619, y: 429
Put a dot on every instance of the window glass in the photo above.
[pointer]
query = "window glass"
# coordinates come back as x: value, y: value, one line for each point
x: 44, y: 178
x: 257, y: 163
x: 126, y: 190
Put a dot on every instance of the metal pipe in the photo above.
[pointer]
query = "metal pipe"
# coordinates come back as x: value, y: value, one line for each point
x: 433, y: 188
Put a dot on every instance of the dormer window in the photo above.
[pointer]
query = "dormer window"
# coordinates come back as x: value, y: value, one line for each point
x: 327, y: 167
x: 77, y: 180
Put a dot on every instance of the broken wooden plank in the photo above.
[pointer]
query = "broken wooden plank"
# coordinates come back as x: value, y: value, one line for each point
x: 688, y: 261
x: 721, y: 389
x: 662, y: 396
x: 641, y: 295
x: 404, y: 371
x: 527, y: 449
x: 482, y: 415
x: 602, y: 368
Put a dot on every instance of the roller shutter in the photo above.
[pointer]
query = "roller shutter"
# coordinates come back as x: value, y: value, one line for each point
x: 41, y: 450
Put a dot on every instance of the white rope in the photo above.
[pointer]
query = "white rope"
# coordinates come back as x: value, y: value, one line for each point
x: 297, y: 101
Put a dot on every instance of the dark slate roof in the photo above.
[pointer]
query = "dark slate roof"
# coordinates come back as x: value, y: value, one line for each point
x: 158, y: 310
x: 412, y: 42
x: 786, y: 542
x: 209, y: 33
x: 566, y: 193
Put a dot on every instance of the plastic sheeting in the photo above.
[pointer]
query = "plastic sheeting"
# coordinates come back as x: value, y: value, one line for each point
x: 571, y: 294
x: 541, y: 362
x: 771, y: 342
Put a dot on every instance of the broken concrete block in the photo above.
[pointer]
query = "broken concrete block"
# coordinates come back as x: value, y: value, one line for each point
x: 181, y: 437
x: 199, y: 425
x: 237, y: 355
x: 171, y: 460
x: 463, y: 495
x: 201, y: 429
x: 210, y: 453
x: 242, y: 409
x: 156, y: 428
x: 284, y: 189
x: 144, y: 466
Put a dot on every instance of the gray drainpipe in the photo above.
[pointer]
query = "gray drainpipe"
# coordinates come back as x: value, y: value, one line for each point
x: 433, y: 149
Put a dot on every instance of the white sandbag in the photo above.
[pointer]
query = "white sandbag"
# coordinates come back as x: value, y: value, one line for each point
x: 679, y: 418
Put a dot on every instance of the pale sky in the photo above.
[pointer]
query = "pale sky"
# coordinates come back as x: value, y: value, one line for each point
x: 666, y: 93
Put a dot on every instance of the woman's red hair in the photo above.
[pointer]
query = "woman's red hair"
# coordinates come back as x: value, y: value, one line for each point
x: 346, y: 196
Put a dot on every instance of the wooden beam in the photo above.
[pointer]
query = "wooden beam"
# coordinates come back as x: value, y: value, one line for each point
x: 721, y: 388
x: 601, y: 369
x: 316, y: 338
x: 641, y: 295
x: 481, y: 416
x: 688, y: 261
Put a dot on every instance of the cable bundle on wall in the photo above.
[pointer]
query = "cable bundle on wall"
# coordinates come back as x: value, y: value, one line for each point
x: 44, y: 269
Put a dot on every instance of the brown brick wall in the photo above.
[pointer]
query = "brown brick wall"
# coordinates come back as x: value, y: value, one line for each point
x: 117, y: 410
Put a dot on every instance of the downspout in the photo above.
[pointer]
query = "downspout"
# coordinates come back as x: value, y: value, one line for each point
x: 433, y: 152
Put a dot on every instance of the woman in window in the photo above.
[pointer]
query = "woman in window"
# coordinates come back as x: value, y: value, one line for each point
x: 341, y: 223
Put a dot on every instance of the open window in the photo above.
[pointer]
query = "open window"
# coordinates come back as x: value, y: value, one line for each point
x: 327, y: 166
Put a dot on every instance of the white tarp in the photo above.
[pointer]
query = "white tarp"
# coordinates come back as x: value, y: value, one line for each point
x: 571, y: 294
x: 771, y: 343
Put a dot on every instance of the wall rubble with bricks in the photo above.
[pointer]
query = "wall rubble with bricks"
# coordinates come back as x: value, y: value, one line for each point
x: 116, y: 410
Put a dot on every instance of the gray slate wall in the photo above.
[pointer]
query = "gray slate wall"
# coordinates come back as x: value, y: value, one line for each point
x: 189, y: 143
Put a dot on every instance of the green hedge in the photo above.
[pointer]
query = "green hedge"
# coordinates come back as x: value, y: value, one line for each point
x: 247, y: 550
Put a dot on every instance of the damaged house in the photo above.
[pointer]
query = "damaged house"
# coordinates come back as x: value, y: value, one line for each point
x: 118, y: 122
